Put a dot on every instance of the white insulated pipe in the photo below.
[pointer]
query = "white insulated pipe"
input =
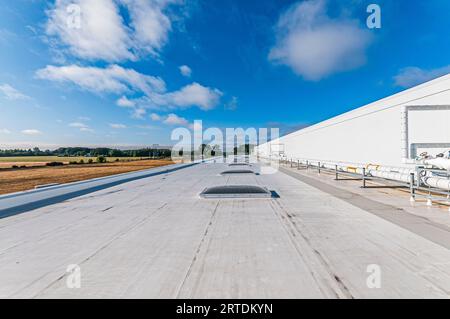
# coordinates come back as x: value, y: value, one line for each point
x: 442, y: 163
x: 401, y: 177
x: 437, y: 182
x: 401, y: 174
x: 392, y: 173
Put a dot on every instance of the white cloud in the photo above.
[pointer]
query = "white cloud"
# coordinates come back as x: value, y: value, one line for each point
x: 84, y: 118
x: 78, y: 125
x: 117, y: 126
x: 138, y: 113
x: 150, y: 25
x: 113, y: 79
x: 4, y: 131
x: 83, y: 127
x: 125, y: 102
x: 185, y: 71
x: 31, y: 132
x: 155, y: 117
x: 86, y: 129
x: 173, y: 119
x: 412, y: 76
x: 191, y: 95
x: 116, y: 31
x: 315, y: 45
x: 103, y: 34
x: 11, y: 93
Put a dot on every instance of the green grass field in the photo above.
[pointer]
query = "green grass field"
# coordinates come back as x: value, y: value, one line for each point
x: 47, y: 159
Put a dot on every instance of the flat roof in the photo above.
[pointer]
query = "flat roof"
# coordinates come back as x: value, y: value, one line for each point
x: 157, y: 238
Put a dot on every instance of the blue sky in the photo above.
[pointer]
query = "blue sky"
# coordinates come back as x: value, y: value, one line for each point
x: 123, y: 72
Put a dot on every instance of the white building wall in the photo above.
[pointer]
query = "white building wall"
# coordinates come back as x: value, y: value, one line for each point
x: 372, y: 134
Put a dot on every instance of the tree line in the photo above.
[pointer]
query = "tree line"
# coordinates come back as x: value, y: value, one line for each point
x: 88, y: 152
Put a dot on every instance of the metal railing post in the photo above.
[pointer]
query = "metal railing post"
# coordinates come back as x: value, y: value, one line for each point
x: 336, y: 171
x: 411, y: 188
x: 298, y: 164
x: 318, y: 167
x: 364, y: 177
x: 429, y: 201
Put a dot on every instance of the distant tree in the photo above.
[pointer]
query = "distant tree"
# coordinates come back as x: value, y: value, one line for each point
x: 84, y: 151
x: 115, y: 153
x: 101, y: 159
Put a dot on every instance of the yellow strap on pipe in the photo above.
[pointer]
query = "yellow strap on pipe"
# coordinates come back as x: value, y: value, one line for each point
x: 352, y: 169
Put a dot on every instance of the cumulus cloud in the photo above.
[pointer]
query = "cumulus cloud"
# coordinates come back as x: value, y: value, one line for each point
x: 77, y: 125
x: 138, y: 113
x: 116, y: 31
x: 101, y: 33
x: 185, y: 71
x: 170, y: 119
x: 173, y: 119
x: 31, y: 132
x: 95, y: 30
x: 412, y: 76
x: 117, y: 126
x: 81, y: 126
x: 11, y: 93
x: 111, y: 37
x: 86, y: 129
x: 315, y: 45
x: 4, y: 131
x: 155, y: 117
x: 116, y: 79
x: 150, y: 24
x: 191, y: 95
x: 113, y: 79
x: 125, y: 102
